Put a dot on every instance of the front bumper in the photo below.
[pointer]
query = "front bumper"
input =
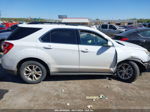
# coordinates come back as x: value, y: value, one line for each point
x: 147, y: 65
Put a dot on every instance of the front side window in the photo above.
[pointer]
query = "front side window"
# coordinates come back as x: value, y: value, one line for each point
x: 112, y: 27
x: 145, y: 33
x: 92, y: 39
x: 22, y: 32
x: 63, y: 36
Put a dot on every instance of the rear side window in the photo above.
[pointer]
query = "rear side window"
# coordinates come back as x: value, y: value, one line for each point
x: 22, y: 32
x: 104, y: 26
x: 46, y: 38
x: 63, y: 36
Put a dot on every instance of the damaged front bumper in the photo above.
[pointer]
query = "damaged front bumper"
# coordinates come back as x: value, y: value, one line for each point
x: 147, y: 65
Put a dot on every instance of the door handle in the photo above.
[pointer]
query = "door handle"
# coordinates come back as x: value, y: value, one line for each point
x: 85, y: 51
x: 47, y: 47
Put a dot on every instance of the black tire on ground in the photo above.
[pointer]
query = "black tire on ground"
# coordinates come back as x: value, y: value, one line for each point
x: 133, y: 74
x: 39, y: 67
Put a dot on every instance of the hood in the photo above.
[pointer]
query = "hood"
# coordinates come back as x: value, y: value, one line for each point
x: 133, y: 46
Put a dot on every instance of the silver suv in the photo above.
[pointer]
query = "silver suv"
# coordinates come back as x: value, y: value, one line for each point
x: 34, y: 51
x: 110, y: 29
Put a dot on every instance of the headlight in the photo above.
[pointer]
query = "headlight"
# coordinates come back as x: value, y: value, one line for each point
x: 147, y: 52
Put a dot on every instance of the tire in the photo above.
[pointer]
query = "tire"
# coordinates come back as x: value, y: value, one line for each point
x: 127, y: 75
x: 1, y: 42
x: 32, y: 72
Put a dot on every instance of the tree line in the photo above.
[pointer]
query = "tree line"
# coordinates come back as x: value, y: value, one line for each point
x: 23, y: 19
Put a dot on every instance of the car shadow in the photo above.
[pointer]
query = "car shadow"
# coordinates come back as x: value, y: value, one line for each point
x: 102, y: 50
x: 8, y: 77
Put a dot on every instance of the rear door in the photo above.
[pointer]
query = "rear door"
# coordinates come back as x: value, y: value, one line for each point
x: 95, y: 56
x: 62, y: 46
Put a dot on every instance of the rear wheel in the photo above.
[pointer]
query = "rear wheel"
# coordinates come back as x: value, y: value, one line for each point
x: 128, y: 71
x: 32, y: 72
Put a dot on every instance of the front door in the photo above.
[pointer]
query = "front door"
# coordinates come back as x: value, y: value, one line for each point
x: 95, y: 55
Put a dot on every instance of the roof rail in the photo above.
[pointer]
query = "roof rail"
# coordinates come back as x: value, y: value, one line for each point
x: 61, y: 23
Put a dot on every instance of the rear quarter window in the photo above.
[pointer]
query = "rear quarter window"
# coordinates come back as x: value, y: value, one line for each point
x: 22, y: 32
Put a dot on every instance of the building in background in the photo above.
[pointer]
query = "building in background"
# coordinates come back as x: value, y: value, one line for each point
x: 120, y: 22
x: 76, y: 21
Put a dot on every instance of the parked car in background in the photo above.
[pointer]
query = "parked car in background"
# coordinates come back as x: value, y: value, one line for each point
x: 146, y: 25
x: 9, y: 24
x: 130, y: 27
x: 110, y: 29
x: 2, y: 27
x: 35, y: 51
x: 4, y: 34
x: 136, y: 36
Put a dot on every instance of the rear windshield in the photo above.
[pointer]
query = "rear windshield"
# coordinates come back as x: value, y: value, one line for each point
x: 22, y: 32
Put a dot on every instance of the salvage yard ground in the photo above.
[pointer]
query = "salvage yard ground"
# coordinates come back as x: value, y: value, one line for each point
x: 70, y: 92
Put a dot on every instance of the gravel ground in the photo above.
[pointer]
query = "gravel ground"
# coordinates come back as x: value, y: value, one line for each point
x: 70, y: 92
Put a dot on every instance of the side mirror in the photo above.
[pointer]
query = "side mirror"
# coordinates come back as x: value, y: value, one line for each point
x: 110, y: 44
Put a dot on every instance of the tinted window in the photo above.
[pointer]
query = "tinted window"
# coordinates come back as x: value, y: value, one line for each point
x: 112, y: 27
x: 90, y: 38
x: 104, y: 26
x: 22, y: 32
x: 64, y: 36
x: 145, y: 33
x: 14, y: 27
x: 46, y: 37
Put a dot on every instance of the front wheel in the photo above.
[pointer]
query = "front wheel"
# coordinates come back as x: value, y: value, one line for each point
x: 1, y: 42
x: 32, y: 72
x: 128, y: 71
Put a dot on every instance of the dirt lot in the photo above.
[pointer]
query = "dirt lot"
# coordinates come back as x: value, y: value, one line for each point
x: 69, y: 92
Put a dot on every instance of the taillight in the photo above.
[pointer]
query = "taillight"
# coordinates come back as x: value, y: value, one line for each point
x: 6, y: 47
x: 124, y: 39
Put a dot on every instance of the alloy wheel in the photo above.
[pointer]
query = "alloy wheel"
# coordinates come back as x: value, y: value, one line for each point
x: 125, y: 71
x: 33, y: 72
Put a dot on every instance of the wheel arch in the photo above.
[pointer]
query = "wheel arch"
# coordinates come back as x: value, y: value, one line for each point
x: 138, y: 62
x: 33, y: 59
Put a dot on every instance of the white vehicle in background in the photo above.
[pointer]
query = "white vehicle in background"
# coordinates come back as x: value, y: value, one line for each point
x: 34, y: 51
x: 110, y: 29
